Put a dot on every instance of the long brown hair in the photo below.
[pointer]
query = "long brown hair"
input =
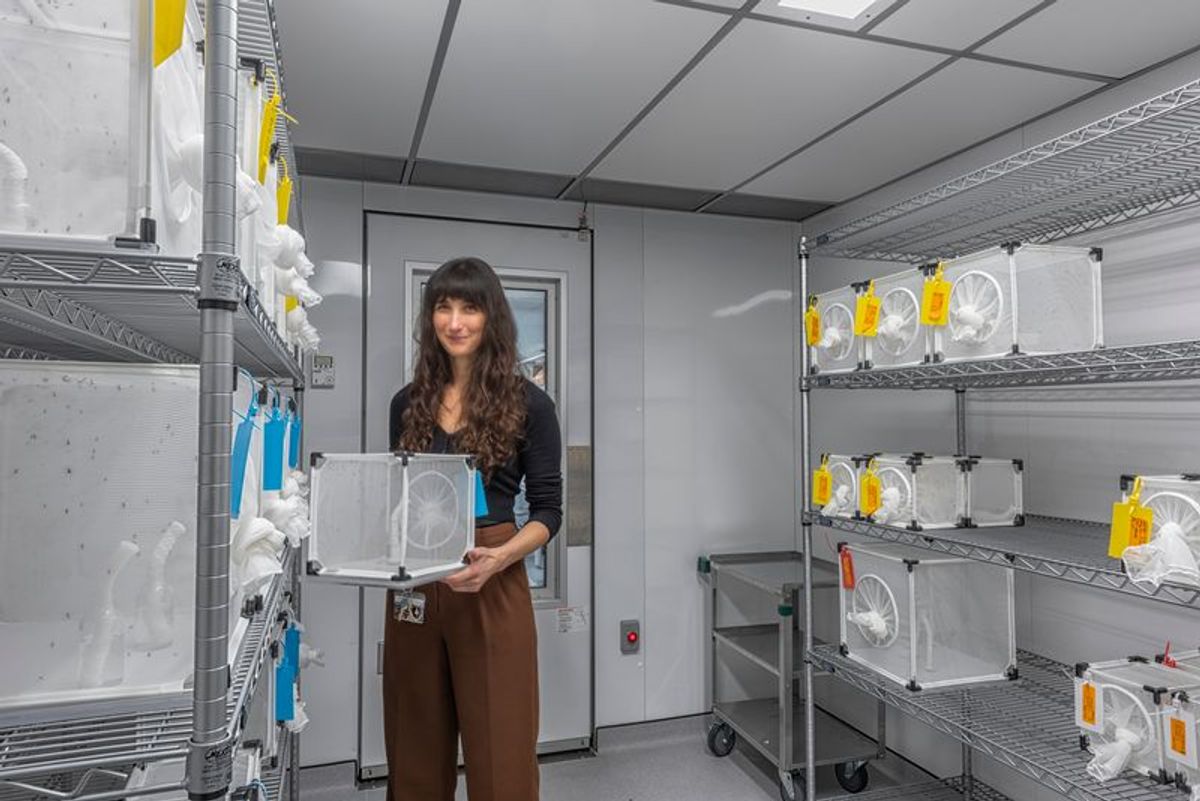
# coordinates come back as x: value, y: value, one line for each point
x: 494, y: 403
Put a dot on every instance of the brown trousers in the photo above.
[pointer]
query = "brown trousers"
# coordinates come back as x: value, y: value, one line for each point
x: 469, y: 669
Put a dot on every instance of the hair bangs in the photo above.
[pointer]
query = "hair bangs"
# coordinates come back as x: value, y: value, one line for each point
x: 459, y: 280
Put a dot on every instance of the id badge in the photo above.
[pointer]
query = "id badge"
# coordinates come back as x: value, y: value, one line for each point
x: 408, y: 607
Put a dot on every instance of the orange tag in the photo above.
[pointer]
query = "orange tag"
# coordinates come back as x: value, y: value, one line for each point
x: 866, y: 313
x: 1139, y: 526
x: 871, y: 492
x: 1089, y: 703
x: 847, y: 560
x: 812, y: 323
x: 1179, y: 736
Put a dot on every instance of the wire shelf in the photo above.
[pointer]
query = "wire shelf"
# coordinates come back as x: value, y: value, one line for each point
x: 1168, y: 361
x: 124, y: 306
x: 57, y: 748
x: 945, y: 790
x: 1068, y: 550
x: 1142, y: 161
x: 276, y: 776
x: 1027, y: 725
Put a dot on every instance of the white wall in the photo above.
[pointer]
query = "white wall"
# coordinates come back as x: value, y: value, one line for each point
x: 694, y: 395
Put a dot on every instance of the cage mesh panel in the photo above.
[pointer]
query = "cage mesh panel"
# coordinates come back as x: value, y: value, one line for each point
x: 439, y: 530
x: 351, y: 504
x: 938, y: 491
x: 67, y: 94
x: 893, y: 659
x: 91, y: 455
x: 995, y: 264
x: 962, y: 621
x: 913, y: 282
x: 823, y: 358
x: 1056, y: 299
x: 993, y: 493
x: 844, y: 473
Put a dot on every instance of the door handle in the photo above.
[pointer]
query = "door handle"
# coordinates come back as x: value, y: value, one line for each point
x: 379, y: 657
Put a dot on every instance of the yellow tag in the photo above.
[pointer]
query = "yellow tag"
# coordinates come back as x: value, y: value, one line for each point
x: 1088, y: 713
x: 935, y: 300
x: 870, y: 498
x: 822, y: 486
x: 812, y: 323
x: 283, y: 193
x: 1179, y: 736
x: 290, y: 302
x: 168, y: 28
x: 1131, y: 523
x: 266, y: 135
x: 866, y: 312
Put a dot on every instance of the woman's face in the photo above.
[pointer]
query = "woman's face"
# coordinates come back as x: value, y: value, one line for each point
x: 459, y: 326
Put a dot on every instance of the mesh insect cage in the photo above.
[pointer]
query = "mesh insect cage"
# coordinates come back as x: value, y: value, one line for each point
x: 1179, y: 731
x: 1021, y: 299
x: 835, y: 486
x: 900, y: 340
x: 915, y: 491
x: 993, y: 491
x: 836, y: 348
x: 387, y: 519
x: 923, y: 621
x: 1119, y: 706
x: 1172, y: 551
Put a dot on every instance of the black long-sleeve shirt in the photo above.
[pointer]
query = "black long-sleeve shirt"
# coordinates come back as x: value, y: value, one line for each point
x: 538, y: 460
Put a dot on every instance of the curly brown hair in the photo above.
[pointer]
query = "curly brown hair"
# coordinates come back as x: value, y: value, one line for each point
x: 493, y: 405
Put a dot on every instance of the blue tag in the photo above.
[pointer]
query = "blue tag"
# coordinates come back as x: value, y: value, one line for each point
x: 273, y: 435
x: 286, y: 674
x: 294, y: 441
x: 239, y: 457
x: 481, y: 507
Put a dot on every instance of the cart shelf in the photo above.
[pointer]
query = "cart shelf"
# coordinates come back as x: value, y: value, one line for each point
x: 1069, y: 550
x: 948, y: 790
x: 123, y: 305
x: 1139, y: 162
x: 1027, y: 724
x: 757, y: 723
x: 151, y: 734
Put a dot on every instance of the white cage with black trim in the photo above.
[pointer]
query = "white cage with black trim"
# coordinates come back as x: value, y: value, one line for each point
x: 1119, y: 707
x: 98, y: 473
x: 1180, y: 732
x: 1022, y: 299
x: 900, y: 340
x: 843, y: 495
x: 395, y: 520
x: 926, y: 621
x: 993, y: 491
x: 839, y: 349
x: 919, y: 491
x: 89, y: 123
x: 1172, y: 553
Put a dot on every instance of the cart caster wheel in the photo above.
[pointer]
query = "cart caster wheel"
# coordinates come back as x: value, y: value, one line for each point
x: 791, y: 787
x: 721, y: 739
x: 852, y: 776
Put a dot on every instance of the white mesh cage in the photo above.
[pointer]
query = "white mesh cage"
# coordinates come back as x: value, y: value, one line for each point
x: 97, y: 531
x: 1173, y: 551
x: 1058, y: 298
x: 900, y: 339
x: 918, y: 491
x: 838, y: 350
x: 843, y: 498
x: 1119, y: 709
x: 1181, y: 754
x: 980, y: 321
x: 994, y: 491
x: 390, y: 519
x: 928, y: 622
x: 66, y: 150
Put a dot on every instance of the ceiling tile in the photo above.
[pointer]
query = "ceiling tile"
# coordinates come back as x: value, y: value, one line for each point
x: 952, y: 109
x: 945, y: 23
x: 1107, y: 37
x: 760, y: 94
x: 356, y: 70
x: 545, y: 85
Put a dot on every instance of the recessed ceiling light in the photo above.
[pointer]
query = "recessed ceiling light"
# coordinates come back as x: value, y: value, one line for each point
x: 849, y: 9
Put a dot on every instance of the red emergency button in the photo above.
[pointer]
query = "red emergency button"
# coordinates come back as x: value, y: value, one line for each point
x: 631, y: 637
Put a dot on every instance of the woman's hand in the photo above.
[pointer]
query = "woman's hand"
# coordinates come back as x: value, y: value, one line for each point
x: 483, y: 563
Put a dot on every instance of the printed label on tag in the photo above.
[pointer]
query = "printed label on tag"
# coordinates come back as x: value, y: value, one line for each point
x: 1180, y: 735
x: 935, y: 302
x: 812, y: 326
x: 1089, y: 714
x: 1131, y: 525
x: 866, y: 314
x: 847, y: 562
x: 871, y: 496
x: 1140, y: 522
x: 409, y: 607
x: 822, y: 487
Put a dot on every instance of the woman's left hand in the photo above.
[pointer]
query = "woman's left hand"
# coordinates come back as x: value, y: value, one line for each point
x: 483, y: 564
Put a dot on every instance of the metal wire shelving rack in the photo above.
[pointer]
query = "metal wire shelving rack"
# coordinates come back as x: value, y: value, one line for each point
x: 59, y: 300
x: 1134, y: 164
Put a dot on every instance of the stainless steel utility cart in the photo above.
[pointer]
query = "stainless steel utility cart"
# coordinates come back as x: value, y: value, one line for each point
x: 774, y: 726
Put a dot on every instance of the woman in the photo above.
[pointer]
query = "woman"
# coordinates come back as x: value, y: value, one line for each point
x: 471, y: 667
